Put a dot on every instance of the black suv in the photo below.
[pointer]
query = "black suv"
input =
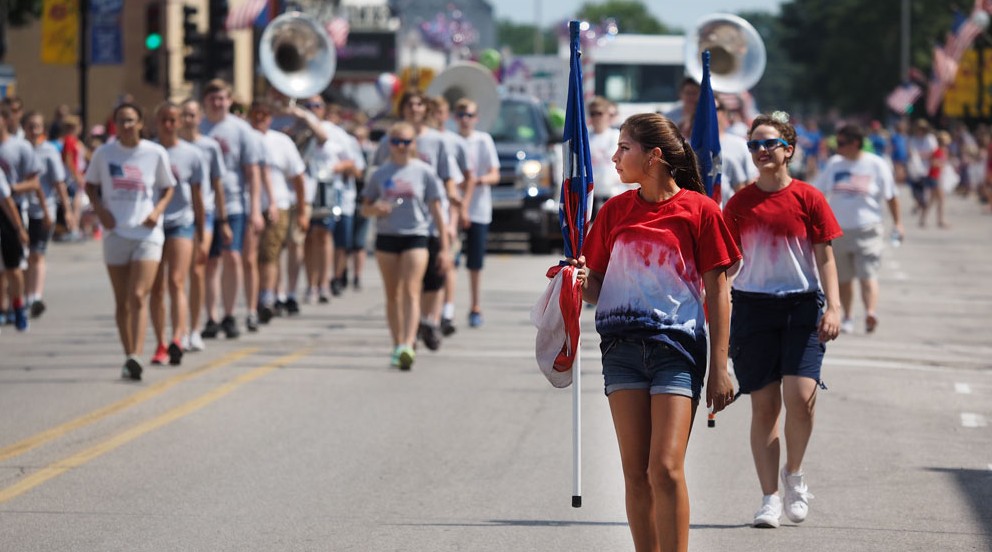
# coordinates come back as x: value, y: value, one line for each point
x: 525, y: 202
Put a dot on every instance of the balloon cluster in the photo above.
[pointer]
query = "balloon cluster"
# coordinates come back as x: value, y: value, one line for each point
x: 388, y: 85
x: 449, y: 30
x: 592, y: 35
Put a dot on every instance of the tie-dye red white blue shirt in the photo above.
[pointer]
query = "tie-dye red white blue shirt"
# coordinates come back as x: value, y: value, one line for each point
x: 776, y: 232
x: 653, y: 257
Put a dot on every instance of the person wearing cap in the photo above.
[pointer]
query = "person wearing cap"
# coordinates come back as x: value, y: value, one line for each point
x: 858, y: 184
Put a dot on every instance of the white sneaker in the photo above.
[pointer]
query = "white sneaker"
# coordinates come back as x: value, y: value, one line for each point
x: 767, y: 516
x: 797, y: 496
x: 847, y: 326
x: 195, y: 342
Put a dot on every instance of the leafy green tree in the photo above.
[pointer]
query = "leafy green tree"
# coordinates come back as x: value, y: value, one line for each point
x: 21, y: 12
x: 632, y: 16
x: 520, y: 37
x: 775, y: 89
x: 847, y: 52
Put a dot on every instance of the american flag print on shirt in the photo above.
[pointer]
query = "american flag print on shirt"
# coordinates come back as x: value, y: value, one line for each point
x: 126, y: 177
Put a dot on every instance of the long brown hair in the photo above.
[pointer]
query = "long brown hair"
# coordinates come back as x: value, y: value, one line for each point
x: 652, y: 130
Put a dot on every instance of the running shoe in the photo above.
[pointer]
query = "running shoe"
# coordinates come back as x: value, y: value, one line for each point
x: 251, y: 322
x: 335, y: 287
x: 196, y: 342
x: 38, y: 308
x: 265, y: 314
x: 768, y: 515
x: 797, y: 496
x: 21, y: 319
x: 175, y: 354
x: 394, y: 360
x: 847, y: 326
x: 429, y: 335
x: 407, y: 355
x: 211, y: 330
x: 161, y: 355
x: 292, y: 307
x: 132, y: 369
x: 474, y: 319
x: 448, y: 327
x: 230, y: 327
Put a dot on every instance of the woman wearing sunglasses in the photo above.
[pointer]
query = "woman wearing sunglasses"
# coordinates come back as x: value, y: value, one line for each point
x: 778, y: 329
x: 404, y: 194
x: 654, y: 259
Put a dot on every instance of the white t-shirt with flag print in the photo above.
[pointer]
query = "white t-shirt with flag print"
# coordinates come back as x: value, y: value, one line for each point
x: 131, y: 180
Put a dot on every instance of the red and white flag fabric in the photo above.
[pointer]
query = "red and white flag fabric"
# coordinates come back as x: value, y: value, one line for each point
x: 904, y: 96
x: 337, y: 29
x: 243, y: 15
x: 944, y: 71
x: 964, y: 36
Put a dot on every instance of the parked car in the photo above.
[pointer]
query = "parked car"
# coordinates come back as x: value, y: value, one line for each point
x: 525, y: 202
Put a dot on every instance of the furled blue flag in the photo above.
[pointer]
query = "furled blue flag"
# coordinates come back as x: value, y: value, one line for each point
x: 576, y: 190
x: 705, y: 140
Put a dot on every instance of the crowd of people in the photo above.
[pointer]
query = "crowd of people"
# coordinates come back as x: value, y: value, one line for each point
x: 206, y: 200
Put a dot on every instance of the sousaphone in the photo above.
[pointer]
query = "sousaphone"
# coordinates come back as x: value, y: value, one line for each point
x: 737, y: 54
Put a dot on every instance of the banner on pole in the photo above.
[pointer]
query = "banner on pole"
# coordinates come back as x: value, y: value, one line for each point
x: 106, y: 43
x: 60, y: 32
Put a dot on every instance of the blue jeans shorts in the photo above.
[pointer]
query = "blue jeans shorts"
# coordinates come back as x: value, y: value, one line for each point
x: 237, y: 224
x: 648, y: 364
x: 772, y: 337
x: 182, y: 231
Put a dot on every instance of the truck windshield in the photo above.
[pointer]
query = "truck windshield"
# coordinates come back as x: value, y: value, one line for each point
x: 519, y: 122
x: 638, y: 83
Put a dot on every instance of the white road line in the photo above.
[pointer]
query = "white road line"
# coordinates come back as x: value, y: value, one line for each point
x: 969, y: 419
x: 962, y: 388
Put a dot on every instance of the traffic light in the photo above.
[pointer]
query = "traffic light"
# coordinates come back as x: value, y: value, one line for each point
x: 152, y: 71
x: 153, y: 26
x: 191, y: 31
x: 222, y: 54
x: 218, y: 16
x: 195, y: 61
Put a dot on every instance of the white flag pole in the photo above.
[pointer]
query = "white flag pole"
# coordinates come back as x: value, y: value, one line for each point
x: 577, y: 428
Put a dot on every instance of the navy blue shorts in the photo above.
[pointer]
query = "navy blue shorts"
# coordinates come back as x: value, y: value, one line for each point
x: 650, y: 365
x: 475, y: 245
x: 433, y: 278
x: 398, y: 244
x: 343, y: 233
x: 771, y: 337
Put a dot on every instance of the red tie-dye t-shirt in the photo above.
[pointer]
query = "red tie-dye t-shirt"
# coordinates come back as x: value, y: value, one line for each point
x: 653, y: 256
x: 776, y: 232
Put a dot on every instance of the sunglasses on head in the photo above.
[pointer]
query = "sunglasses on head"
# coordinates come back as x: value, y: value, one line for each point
x: 400, y: 141
x: 768, y: 143
x: 464, y: 115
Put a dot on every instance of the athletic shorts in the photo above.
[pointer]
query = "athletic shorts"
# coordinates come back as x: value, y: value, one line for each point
x: 360, y: 232
x: 398, y: 244
x: 273, y: 238
x: 772, y: 337
x: 344, y: 233
x: 474, y: 245
x: 184, y: 231
x: 858, y: 253
x: 119, y: 251
x: 237, y: 224
x: 11, y: 248
x: 649, y: 365
x: 38, y: 236
x: 433, y: 278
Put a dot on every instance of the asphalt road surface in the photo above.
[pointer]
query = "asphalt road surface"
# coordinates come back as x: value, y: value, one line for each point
x: 301, y: 438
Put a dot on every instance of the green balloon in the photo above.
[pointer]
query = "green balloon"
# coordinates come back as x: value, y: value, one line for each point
x: 557, y: 117
x: 490, y: 58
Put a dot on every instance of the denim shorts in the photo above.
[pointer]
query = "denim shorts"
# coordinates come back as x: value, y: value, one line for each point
x: 344, y: 233
x: 237, y: 224
x: 772, y: 337
x: 650, y: 365
x: 186, y: 231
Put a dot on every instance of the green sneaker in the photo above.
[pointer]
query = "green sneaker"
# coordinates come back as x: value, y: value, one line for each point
x: 406, y: 357
x: 394, y: 360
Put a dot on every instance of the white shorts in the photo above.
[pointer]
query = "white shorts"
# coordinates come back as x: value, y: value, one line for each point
x: 118, y: 251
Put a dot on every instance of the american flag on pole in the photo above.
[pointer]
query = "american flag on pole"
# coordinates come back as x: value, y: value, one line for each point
x: 705, y: 139
x: 904, y: 95
x: 944, y: 71
x: 338, y: 29
x: 965, y: 34
x: 249, y: 13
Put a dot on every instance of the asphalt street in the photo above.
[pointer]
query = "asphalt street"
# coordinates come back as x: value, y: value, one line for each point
x: 302, y: 438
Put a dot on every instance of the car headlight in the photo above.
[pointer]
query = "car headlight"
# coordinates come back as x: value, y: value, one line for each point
x: 531, y: 169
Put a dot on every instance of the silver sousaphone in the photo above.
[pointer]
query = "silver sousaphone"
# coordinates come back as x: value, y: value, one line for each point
x: 737, y: 54
x: 468, y: 79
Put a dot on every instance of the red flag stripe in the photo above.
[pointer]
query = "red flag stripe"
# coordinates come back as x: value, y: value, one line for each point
x: 244, y: 14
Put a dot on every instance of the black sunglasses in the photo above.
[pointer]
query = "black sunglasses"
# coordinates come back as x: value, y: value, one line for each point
x: 464, y: 115
x: 595, y: 113
x: 400, y: 141
x: 768, y: 143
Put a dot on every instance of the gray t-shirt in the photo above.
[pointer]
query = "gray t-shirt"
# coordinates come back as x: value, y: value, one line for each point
x: 213, y: 167
x: 186, y: 162
x: 431, y: 149
x: 52, y: 172
x: 19, y: 163
x: 240, y: 148
x: 411, y: 188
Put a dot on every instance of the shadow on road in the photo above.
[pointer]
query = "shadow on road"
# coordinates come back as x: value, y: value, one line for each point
x: 976, y: 486
x: 555, y: 523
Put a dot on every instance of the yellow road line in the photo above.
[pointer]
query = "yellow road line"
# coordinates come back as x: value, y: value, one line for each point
x: 154, y: 390
x: 58, y: 468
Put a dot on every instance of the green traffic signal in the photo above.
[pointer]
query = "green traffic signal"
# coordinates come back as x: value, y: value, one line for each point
x: 153, y: 41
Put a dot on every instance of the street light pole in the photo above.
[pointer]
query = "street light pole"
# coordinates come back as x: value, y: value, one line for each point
x: 904, y: 50
x: 84, y: 63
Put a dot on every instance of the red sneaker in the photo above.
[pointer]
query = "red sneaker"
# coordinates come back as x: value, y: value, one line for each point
x: 161, y: 355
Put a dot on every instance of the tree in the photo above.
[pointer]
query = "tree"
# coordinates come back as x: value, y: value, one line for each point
x: 22, y: 12
x: 774, y: 91
x: 631, y: 16
x: 847, y: 51
x: 520, y: 37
